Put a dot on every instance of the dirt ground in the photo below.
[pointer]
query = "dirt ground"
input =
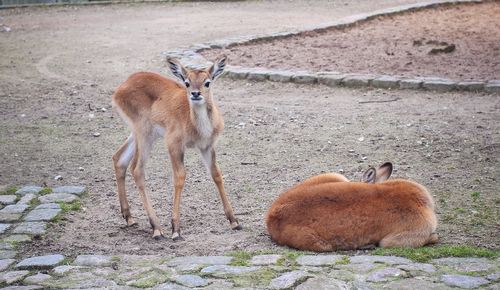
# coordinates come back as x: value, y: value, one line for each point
x: 61, y: 65
x: 457, y: 42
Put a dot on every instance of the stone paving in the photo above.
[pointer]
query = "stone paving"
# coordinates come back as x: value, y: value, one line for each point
x: 25, y: 214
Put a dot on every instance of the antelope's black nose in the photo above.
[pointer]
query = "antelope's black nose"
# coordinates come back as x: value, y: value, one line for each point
x: 195, y: 95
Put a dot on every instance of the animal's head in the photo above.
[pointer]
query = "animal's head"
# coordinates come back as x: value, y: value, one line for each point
x: 382, y: 173
x: 198, y: 82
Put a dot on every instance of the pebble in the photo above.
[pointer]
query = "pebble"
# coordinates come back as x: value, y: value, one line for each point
x: 29, y: 189
x: 40, y: 262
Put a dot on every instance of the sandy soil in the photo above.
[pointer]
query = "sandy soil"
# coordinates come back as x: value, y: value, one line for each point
x: 61, y: 65
x: 456, y: 42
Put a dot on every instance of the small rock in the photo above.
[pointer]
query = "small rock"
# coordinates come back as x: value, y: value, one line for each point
x: 41, y: 262
x: 96, y: 134
x: 14, y: 208
x: 191, y: 281
x: 385, y: 275
x: 93, y: 260
x: 288, y: 280
x: 57, y: 197
x: 42, y: 214
x: 4, y: 228
x: 8, y: 199
x: 265, y: 260
x: 31, y: 228
x: 410, y: 84
x: 36, y: 279
x: 320, y: 260
x: 77, y: 190
x: 357, y: 80
x: 463, y: 281
x: 29, y: 189
x: 12, y: 276
x: 5, y: 263
x: 58, y: 177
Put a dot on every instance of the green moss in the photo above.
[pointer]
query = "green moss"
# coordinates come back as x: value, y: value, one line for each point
x: 72, y: 206
x: 425, y: 254
x: 259, y: 279
x: 153, y: 278
x: 9, y: 191
x: 45, y: 190
x: 240, y: 258
x: 344, y: 261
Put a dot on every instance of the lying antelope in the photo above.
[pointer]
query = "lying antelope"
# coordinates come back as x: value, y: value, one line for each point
x: 185, y: 116
x: 327, y: 213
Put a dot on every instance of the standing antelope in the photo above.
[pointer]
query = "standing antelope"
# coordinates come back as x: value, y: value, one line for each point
x: 327, y: 213
x: 186, y: 116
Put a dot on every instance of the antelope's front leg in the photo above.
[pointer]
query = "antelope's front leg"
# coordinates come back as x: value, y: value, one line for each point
x: 211, y: 164
x: 179, y: 174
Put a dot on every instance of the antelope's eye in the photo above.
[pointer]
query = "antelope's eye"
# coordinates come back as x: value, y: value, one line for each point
x: 187, y: 84
x: 207, y: 84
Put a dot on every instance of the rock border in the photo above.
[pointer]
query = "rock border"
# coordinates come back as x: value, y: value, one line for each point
x: 191, y: 57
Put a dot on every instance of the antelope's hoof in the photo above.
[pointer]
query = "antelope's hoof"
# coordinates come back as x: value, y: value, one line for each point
x: 131, y: 223
x: 159, y: 237
x: 235, y: 226
x: 177, y: 237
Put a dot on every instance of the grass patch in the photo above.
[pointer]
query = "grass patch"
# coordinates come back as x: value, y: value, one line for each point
x: 260, y: 278
x: 344, y: 261
x: 425, y: 254
x: 9, y: 191
x: 72, y: 206
x: 45, y: 190
x: 240, y: 258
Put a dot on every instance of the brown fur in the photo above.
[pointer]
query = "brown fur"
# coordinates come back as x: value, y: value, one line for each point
x: 327, y: 213
x: 155, y: 106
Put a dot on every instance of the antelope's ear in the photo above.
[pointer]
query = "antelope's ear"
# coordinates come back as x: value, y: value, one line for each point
x: 177, y: 69
x: 218, y: 67
x: 383, y: 172
x: 369, y: 176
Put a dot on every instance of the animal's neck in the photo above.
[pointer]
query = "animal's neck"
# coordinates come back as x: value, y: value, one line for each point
x: 201, y: 116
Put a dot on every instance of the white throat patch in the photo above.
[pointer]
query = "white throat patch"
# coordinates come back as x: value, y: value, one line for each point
x: 202, y: 121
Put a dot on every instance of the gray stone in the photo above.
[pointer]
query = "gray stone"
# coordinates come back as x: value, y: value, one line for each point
x: 412, y: 84
x: 57, y: 197
x: 428, y: 268
x: 14, y: 208
x: 304, y: 78
x: 77, y: 190
x: 319, y: 260
x: 17, y: 239
x: 280, y: 76
x: 61, y: 270
x: 390, y: 260
x: 466, y: 264
x: 7, y: 254
x: 170, y: 286
x: 492, y: 87
x: 6, y: 246
x: 470, y: 86
x: 36, y: 279
x: 191, y: 281
x: 386, y: 82
x: 4, y: 228
x: 9, y: 217
x: 225, y: 270
x: 323, y: 283
x: 258, y: 74
x: 362, y: 268
x: 385, y: 275
x: 5, y: 263
x: 236, y: 72
x: 439, y: 85
x: 288, y: 280
x: 27, y: 198
x: 42, y: 214
x: 41, y: 262
x: 29, y: 189
x: 493, y: 276
x: 48, y: 205
x: 93, y: 260
x: 31, y: 228
x: 463, y: 281
x: 354, y: 81
x: 12, y: 276
x: 414, y: 283
x: 265, y: 260
x: 8, y: 199
x: 331, y: 80
x: 200, y: 260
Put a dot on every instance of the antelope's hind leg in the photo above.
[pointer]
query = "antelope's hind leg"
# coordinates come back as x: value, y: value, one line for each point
x: 408, y: 239
x: 121, y: 161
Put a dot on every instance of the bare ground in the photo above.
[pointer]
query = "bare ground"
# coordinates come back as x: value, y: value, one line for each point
x: 63, y: 64
x: 457, y: 42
